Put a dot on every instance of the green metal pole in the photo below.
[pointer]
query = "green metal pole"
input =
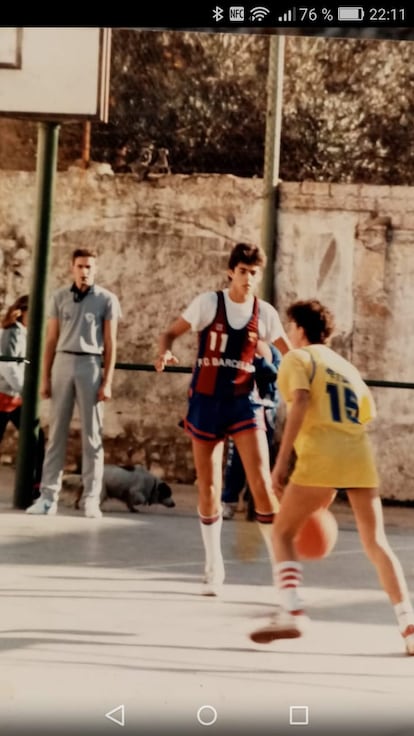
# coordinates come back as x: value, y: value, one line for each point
x: 271, y: 162
x: 47, y: 144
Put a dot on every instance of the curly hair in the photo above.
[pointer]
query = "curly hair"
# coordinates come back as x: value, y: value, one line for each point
x: 315, y: 319
x: 15, y: 311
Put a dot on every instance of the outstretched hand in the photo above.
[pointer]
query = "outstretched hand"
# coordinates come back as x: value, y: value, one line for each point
x: 165, y: 359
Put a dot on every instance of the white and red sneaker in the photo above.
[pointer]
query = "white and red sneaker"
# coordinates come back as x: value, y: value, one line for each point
x: 281, y: 625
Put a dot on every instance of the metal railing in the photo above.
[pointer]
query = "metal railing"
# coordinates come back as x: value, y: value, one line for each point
x: 188, y: 369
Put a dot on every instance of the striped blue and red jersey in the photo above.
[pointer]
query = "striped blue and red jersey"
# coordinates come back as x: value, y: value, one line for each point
x: 224, y: 365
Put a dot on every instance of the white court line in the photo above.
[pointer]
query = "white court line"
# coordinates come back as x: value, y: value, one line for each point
x: 339, y: 553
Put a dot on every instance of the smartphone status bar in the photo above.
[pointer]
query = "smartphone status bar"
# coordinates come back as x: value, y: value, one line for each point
x: 229, y: 16
x: 309, y: 15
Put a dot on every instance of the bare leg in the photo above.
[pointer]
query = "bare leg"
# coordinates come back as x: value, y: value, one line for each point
x: 253, y: 449
x: 367, y: 508
x: 208, y: 459
x: 298, y: 502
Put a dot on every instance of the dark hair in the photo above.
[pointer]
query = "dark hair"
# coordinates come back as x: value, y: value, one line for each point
x: 251, y: 255
x: 315, y: 319
x: 14, y: 313
x: 83, y: 253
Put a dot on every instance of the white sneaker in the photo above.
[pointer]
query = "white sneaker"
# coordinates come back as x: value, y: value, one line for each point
x: 229, y: 509
x: 408, y: 636
x: 43, y: 506
x: 92, y: 510
x: 282, y: 625
x: 213, y: 580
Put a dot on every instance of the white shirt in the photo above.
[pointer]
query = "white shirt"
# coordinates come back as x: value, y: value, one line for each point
x: 202, y: 310
x: 13, y: 344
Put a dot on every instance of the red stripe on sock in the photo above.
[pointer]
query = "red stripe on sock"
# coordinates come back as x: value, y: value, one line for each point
x: 208, y: 520
x: 264, y: 518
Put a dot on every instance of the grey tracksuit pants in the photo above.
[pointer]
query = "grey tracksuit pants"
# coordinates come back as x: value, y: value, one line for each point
x: 75, y: 379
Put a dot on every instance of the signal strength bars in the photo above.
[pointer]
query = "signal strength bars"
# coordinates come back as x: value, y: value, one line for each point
x: 288, y: 17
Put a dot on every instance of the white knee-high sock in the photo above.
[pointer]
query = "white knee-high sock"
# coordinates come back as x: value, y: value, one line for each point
x: 211, y: 535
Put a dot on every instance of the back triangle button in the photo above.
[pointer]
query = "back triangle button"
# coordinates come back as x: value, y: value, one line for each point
x: 117, y: 715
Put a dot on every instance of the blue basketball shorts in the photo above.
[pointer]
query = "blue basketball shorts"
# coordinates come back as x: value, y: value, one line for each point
x: 209, y: 419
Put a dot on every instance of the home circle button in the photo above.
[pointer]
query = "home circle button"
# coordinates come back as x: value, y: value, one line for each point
x: 206, y: 715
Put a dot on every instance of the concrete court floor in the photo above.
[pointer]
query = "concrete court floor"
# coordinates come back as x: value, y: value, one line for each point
x: 99, y: 614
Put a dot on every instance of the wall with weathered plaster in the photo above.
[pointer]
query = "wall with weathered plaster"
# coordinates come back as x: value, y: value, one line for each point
x: 163, y: 241
x: 353, y: 247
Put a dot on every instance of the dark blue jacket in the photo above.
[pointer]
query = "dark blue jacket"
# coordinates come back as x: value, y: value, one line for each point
x: 266, y: 374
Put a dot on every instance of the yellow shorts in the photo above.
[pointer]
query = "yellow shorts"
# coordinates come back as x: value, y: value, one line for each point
x: 336, y: 462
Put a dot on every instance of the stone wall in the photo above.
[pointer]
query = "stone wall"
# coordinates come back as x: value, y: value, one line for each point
x: 163, y: 241
x: 353, y: 247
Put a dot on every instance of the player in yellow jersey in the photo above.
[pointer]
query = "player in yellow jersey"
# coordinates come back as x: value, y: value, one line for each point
x: 328, y: 407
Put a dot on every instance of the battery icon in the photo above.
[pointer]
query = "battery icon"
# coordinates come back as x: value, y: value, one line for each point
x: 350, y: 12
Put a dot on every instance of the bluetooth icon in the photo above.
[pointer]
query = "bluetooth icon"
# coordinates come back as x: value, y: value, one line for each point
x: 218, y: 13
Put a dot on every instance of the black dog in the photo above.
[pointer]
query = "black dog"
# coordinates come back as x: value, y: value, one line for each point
x: 136, y: 486
x: 132, y: 484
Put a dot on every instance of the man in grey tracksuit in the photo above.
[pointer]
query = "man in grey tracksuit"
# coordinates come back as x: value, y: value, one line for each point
x: 81, y: 333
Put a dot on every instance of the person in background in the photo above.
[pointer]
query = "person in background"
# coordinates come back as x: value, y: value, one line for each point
x: 266, y: 368
x: 81, y: 333
x: 13, y: 341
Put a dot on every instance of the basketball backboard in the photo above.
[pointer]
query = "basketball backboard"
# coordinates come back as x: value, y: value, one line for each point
x: 55, y: 73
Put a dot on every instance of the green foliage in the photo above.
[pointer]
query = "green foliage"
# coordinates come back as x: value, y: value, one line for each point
x: 348, y: 104
x: 348, y: 111
x: 202, y: 96
x: 348, y: 107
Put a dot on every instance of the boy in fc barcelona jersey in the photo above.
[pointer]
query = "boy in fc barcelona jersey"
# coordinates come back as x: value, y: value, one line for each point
x: 231, y: 326
x: 328, y: 407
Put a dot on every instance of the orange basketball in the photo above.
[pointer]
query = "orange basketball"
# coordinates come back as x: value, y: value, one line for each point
x: 317, y: 537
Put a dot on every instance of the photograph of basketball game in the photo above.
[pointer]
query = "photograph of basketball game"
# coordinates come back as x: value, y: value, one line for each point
x: 206, y: 384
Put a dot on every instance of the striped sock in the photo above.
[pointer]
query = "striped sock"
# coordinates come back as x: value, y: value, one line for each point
x: 288, y: 579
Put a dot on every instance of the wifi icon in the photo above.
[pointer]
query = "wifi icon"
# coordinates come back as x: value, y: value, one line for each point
x: 259, y: 13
